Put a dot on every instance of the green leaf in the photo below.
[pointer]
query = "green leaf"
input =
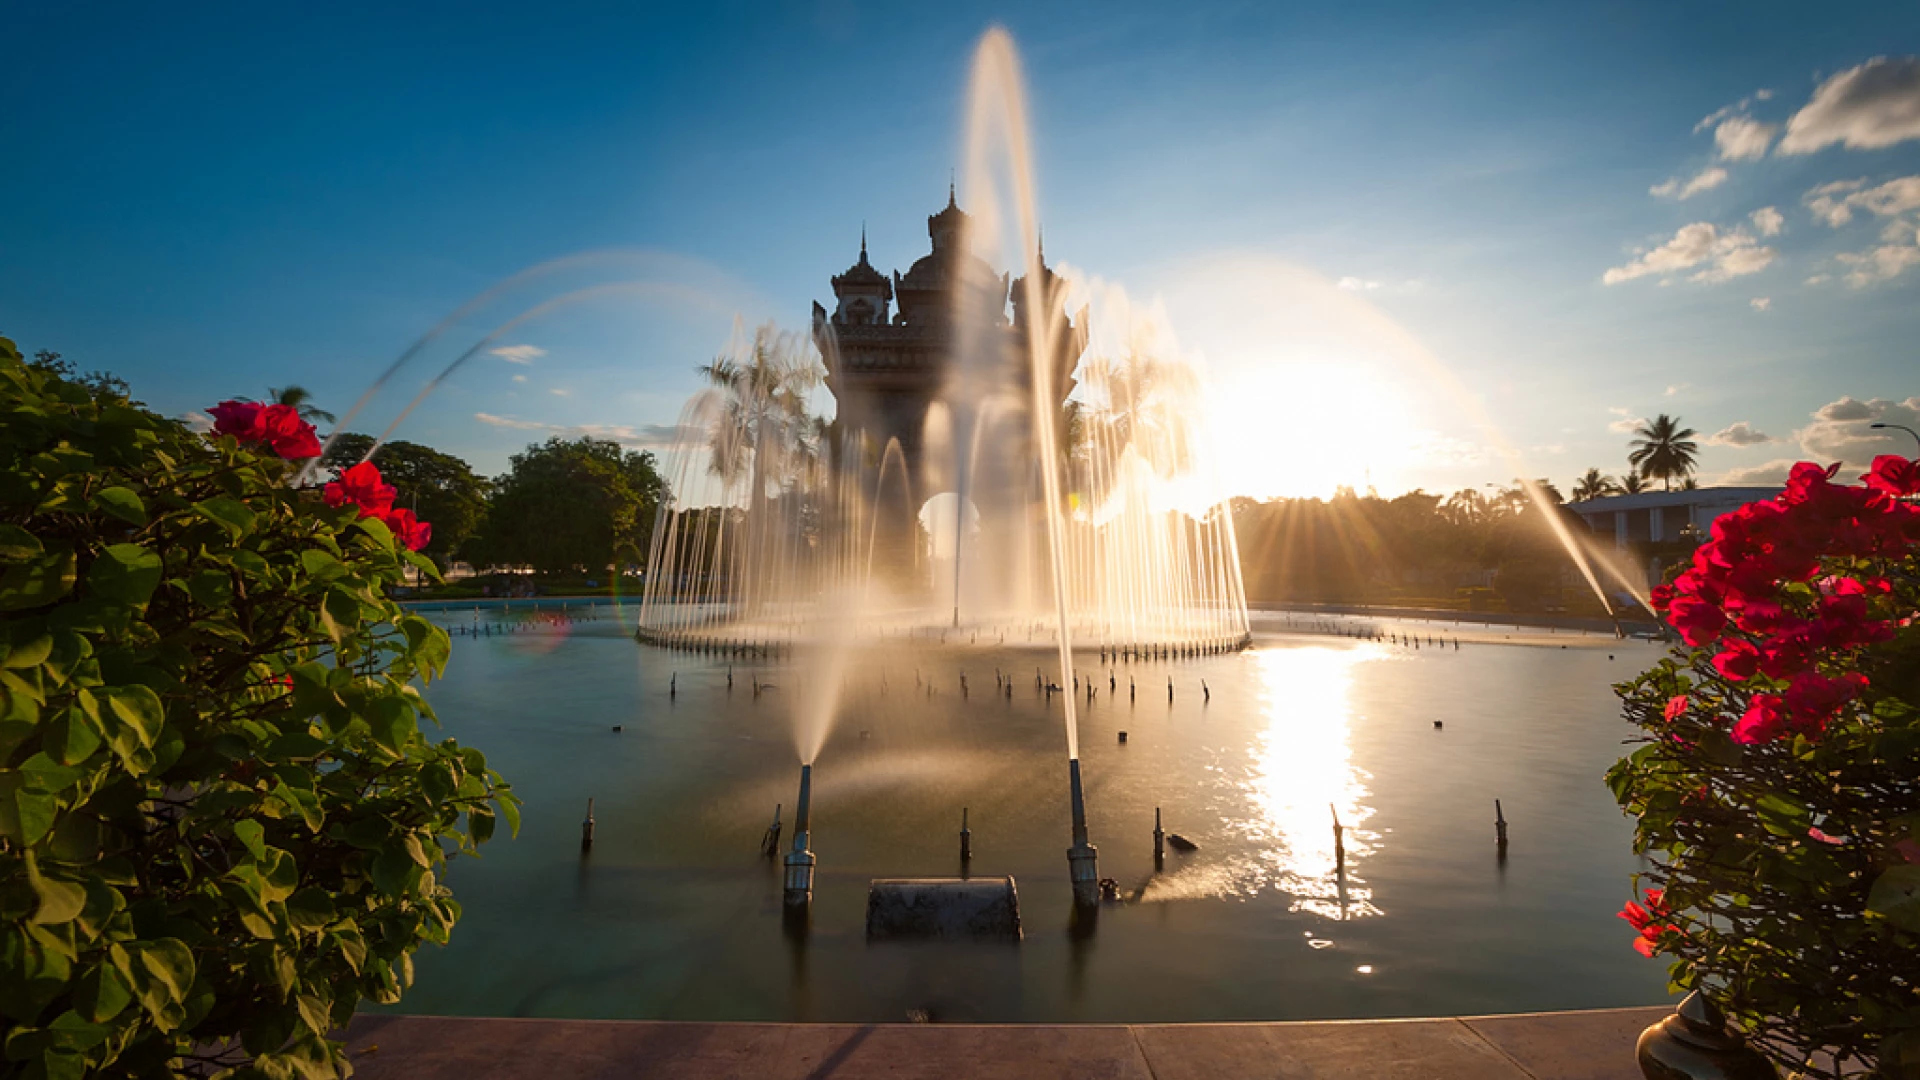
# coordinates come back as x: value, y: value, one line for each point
x: 509, y: 809
x: 60, y: 901
x: 71, y: 738
x: 127, y: 573
x: 140, y: 709
x: 29, y: 654
x: 418, y: 854
x: 253, y: 836
x: 1895, y: 896
x: 310, y: 909
x: 321, y: 565
x: 228, y: 512
x: 36, y: 581
x: 340, y: 614
x: 480, y: 823
x: 101, y: 994
x: 170, y: 963
x: 122, y: 503
x: 17, y: 543
x: 394, y: 871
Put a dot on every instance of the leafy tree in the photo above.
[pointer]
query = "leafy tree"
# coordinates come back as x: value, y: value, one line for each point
x: 221, y: 826
x: 1594, y: 484
x: 300, y: 400
x: 99, y: 382
x: 436, y: 486
x: 572, y: 507
x: 1633, y: 483
x: 1663, y: 450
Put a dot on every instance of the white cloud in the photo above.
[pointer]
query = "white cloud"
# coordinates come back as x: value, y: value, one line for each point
x: 519, y: 378
x: 1772, y: 474
x: 1768, y: 220
x: 1882, y: 263
x: 1626, y: 425
x: 644, y: 435
x: 1874, y: 105
x: 1761, y: 303
x: 1739, y: 434
x: 1840, y: 430
x: 557, y: 392
x: 1719, y: 256
x: 1834, y: 203
x: 197, y: 422
x: 1742, y: 138
x: 1674, y: 189
x: 520, y: 354
x: 1354, y: 284
x: 1819, y: 279
x: 1677, y: 388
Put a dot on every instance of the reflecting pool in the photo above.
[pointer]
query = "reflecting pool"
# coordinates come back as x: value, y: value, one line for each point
x: 674, y: 915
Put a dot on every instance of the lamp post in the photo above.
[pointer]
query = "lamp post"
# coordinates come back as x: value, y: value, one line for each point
x: 1897, y: 427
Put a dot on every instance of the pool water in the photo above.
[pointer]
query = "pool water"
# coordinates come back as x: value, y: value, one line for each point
x: 676, y: 915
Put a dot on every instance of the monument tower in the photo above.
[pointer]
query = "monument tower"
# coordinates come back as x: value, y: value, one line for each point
x: 886, y: 365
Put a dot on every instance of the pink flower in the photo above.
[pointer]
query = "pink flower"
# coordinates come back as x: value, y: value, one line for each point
x: 235, y: 418
x: 281, y: 428
x: 1824, y: 838
x: 1676, y: 707
x: 361, y: 486
x: 1697, y: 621
x: 1894, y: 475
x: 1738, y: 661
x: 1763, y: 721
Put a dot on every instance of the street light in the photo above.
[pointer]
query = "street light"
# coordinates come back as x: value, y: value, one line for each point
x: 1897, y: 427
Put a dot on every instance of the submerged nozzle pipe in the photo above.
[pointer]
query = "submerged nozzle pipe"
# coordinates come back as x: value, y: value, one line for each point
x: 799, y: 879
x: 1083, y: 859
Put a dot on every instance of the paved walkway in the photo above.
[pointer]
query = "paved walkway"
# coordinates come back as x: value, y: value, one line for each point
x: 1595, y: 1045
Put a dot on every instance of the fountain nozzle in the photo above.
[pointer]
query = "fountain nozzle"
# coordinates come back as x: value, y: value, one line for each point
x: 1083, y: 859
x: 799, y: 880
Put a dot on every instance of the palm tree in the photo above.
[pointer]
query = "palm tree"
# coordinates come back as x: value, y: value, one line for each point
x: 1633, y: 483
x: 1663, y: 450
x: 300, y: 400
x: 1594, y: 484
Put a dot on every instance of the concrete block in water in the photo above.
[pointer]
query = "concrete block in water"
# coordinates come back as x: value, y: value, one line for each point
x: 943, y: 909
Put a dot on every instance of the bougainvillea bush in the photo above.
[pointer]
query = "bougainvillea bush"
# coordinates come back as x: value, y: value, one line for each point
x: 1778, y: 788
x: 221, y: 825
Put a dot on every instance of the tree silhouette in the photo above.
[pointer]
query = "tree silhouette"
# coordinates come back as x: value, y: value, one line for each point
x: 1663, y: 450
x: 1594, y: 484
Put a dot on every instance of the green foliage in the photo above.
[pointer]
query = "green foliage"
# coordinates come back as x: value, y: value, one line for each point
x: 221, y: 825
x: 437, y: 486
x: 572, y: 507
x: 1810, y: 942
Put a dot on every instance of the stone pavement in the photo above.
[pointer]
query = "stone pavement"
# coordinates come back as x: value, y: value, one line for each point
x: 1592, y: 1045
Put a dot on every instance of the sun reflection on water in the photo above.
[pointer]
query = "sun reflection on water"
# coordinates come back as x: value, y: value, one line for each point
x: 1298, y: 774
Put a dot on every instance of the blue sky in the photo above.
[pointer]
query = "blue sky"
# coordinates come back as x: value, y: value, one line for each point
x: 216, y: 200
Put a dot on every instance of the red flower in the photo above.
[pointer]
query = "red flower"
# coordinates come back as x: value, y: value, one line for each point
x: 1646, y: 920
x: 1894, y: 475
x: 407, y: 529
x: 1676, y: 707
x: 361, y: 486
x: 279, y: 427
x: 1697, y: 621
